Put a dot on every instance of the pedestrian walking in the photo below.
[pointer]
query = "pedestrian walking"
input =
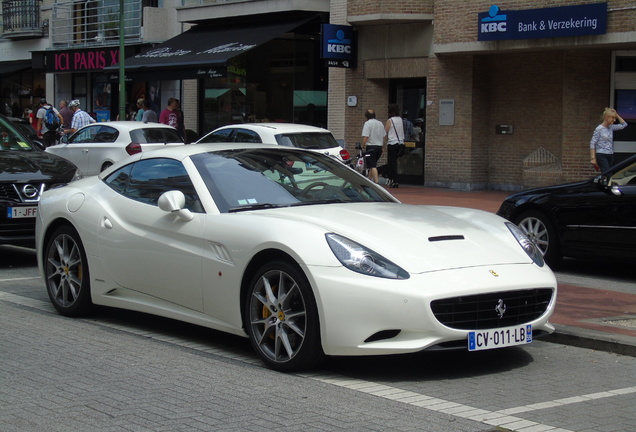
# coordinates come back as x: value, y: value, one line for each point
x: 80, y: 118
x: 372, y: 143
x: 149, y: 116
x: 47, y: 125
x: 180, y: 120
x: 170, y: 116
x: 394, y: 129
x: 67, y: 114
x: 140, y: 109
x: 602, y: 143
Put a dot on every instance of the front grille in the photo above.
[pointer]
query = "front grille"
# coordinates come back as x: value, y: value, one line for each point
x: 8, y: 193
x: 479, y: 312
x: 16, y: 192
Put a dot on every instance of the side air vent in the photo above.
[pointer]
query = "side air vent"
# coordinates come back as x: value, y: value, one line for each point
x: 382, y: 335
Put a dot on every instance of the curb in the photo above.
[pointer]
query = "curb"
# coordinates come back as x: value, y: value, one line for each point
x: 600, y: 341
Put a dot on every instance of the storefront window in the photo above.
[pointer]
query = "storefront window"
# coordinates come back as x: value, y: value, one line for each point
x: 21, y: 92
x: 281, y: 81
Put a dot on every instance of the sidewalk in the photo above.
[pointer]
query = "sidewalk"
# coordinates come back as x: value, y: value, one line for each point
x: 586, y: 317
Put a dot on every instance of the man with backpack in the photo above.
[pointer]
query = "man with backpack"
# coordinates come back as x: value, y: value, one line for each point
x: 49, y: 121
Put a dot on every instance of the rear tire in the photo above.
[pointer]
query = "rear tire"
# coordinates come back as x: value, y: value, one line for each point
x: 282, y: 318
x: 66, y: 273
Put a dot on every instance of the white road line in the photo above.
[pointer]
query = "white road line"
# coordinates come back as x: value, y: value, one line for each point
x: 503, y: 418
x: 19, y: 279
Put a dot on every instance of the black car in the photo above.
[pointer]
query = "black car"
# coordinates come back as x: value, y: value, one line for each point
x: 589, y: 219
x: 25, y: 172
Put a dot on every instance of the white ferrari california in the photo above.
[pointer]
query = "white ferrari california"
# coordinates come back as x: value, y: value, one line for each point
x: 292, y: 249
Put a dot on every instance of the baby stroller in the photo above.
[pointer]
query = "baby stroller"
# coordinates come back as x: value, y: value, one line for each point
x: 358, y: 161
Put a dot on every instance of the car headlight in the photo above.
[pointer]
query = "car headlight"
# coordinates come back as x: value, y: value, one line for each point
x: 526, y: 244
x: 359, y: 259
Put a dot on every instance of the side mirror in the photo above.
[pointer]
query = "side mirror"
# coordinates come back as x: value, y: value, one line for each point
x: 174, y: 202
x: 64, y: 139
x: 601, y: 181
x: 616, y: 190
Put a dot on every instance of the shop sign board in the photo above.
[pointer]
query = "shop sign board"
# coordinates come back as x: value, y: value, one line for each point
x: 563, y: 21
x: 84, y: 60
x: 338, y: 46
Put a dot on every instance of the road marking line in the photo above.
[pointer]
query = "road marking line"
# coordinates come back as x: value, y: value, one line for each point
x: 19, y: 279
x: 502, y: 418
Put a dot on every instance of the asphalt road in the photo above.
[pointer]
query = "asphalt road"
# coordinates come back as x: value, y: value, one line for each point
x: 119, y: 370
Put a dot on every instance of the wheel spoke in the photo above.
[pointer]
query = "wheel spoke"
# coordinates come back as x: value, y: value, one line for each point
x: 282, y: 341
x: 291, y: 323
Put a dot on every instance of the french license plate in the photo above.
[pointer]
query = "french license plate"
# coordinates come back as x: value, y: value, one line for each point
x: 22, y: 212
x: 499, y: 338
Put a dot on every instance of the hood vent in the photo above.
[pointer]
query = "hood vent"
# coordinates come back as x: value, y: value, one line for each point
x: 445, y: 238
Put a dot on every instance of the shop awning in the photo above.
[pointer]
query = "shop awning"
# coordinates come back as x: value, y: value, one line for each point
x: 7, y: 68
x: 202, y: 51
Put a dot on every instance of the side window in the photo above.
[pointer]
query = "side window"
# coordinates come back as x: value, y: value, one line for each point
x: 86, y: 135
x: 106, y: 134
x: 222, y: 135
x: 624, y: 177
x: 247, y: 136
x: 119, y: 179
x: 146, y: 180
x: 155, y: 135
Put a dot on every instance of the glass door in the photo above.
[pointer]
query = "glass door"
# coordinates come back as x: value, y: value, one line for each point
x: 410, y: 96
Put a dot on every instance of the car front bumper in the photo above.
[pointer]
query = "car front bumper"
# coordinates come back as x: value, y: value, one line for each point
x: 363, y: 315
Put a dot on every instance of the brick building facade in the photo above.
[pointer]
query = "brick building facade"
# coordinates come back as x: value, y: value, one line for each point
x: 550, y: 91
x: 546, y: 93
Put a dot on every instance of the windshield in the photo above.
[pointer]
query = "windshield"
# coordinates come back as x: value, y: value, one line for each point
x: 11, y: 139
x: 308, y: 140
x: 249, y: 179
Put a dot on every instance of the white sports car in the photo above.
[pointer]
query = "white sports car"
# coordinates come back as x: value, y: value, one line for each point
x: 292, y: 249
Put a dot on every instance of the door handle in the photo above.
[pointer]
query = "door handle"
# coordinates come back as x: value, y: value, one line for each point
x: 107, y: 223
x: 84, y: 150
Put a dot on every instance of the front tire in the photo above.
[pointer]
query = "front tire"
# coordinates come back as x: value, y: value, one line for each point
x: 282, y: 318
x: 541, y: 232
x: 66, y: 273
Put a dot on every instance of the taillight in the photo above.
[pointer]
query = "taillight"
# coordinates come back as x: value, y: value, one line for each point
x: 344, y: 154
x: 133, y: 148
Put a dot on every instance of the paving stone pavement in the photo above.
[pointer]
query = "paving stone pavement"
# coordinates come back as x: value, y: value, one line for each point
x: 107, y: 373
x: 61, y: 374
